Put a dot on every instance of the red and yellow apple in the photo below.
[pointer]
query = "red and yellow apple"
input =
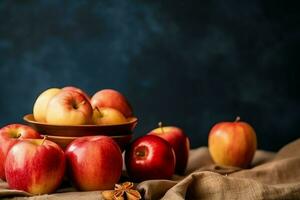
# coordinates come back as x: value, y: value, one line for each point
x: 105, y: 115
x: 76, y: 89
x: 9, y: 136
x: 179, y: 142
x: 36, y: 166
x: 150, y: 157
x: 112, y: 99
x: 69, y: 108
x: 232, y: 143
x: 41, y: 104
x: 94, y: 162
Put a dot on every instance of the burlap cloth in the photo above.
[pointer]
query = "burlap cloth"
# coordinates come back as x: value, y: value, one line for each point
x: 272, y: 176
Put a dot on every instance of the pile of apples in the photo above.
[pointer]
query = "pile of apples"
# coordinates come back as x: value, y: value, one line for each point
x: 34, y: 164
x: 229, y: 143
x: 72, y: 106
x: 158, y: 155
x: 37, y: 165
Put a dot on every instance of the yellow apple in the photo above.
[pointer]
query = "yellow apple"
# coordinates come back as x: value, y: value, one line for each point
x: 232, y: 143
x: 41, y: 103
x: 105, y: 115
x: 69, y: 108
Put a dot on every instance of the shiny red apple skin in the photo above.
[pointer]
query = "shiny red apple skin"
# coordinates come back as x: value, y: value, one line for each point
x: 179, y: 142
x: 94, y: 163
x: 232, y: 143
x: 35, y: 166
x: 150, y: 157
x: 112, y: 99
x: 76, y: 89
x: 9, y: 136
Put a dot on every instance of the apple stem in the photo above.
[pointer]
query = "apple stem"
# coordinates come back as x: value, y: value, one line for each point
x: 160, y: 125
x: 237, y: 119
x: 19, y: 134
x: 101, y: 115
x: 45, y: 137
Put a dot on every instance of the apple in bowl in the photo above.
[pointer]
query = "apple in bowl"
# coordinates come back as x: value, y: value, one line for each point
x: 9, y: 136
x: 76, y: 89
x: 41, y: 103
x: 232, y: 143
x: 69, y: 107
x: 106, y: 115
x: 112, y: 99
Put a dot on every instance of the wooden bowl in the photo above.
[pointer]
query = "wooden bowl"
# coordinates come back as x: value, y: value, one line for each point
x: 122, y: 140
x: 82, y: 130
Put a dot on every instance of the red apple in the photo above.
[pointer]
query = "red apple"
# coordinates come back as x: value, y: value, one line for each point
x: 232, y: 143
x: 150, y: 157
x: 94, y: 162
x: 36, y: 166
x: 179, y: 142
x: 77, y: 90
x: 112, y: 99
x: 69, y: 108
x: 9, y: 136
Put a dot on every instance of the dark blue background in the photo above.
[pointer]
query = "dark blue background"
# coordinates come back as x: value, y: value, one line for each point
x: 186, y: 63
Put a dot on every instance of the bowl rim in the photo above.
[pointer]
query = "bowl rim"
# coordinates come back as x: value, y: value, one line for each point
x: 131, y: 120
x: 68, y: 137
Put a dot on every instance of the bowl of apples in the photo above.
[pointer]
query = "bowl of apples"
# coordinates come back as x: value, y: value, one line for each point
x: 69, y: 113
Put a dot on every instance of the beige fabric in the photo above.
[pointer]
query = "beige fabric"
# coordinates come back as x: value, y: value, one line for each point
x: 272, y: 176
